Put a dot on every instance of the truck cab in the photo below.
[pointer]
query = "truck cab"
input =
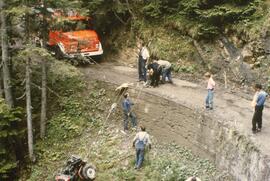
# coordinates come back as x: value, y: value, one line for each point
x: 73, y: 36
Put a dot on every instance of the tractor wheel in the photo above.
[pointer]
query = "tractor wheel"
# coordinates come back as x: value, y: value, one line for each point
x: 89, y: 172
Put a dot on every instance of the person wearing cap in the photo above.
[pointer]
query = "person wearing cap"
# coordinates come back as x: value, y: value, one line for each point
x: 140, y: 141
x: 126, y: 105
x: 258, y: 105
x: 210, y: 91
x: 193, y: 179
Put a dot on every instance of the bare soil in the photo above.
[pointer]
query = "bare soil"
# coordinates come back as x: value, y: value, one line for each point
x: 157, y: 107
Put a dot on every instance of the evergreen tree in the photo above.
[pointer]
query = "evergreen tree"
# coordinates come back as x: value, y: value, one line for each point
x: 8, y: 132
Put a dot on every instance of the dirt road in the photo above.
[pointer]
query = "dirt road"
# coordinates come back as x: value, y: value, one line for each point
x: 229, y: 108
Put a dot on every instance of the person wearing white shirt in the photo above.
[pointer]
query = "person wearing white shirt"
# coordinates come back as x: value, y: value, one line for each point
x: 166, y: 70
x: 143, y: 58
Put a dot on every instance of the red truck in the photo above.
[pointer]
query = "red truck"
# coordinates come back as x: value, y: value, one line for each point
x: 73, y: 36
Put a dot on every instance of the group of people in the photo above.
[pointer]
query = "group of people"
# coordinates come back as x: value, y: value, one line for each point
x: 160, y: 71
x: 155, y: 71
x: 257, y: 102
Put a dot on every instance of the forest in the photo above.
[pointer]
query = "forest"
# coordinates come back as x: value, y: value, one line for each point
x: 46, y: 106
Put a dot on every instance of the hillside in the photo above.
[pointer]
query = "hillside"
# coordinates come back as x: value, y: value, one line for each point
x: 79, y: 128
x: 227, y: 38
x: 52, y: 106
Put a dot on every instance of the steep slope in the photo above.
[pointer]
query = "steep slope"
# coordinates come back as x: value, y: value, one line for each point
x: 78, y: 128
x: 223, y: 135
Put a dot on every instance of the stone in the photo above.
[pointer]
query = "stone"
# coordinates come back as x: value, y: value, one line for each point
x: 247, y: 54
x: 267, y: 45
x: 260, y: 58
x: 243, y: 71
x: 236, y: 41
x: 257, y: 64
x: 220, y: 43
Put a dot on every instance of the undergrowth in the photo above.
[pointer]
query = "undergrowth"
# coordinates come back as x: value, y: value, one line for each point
x: 78, y: 128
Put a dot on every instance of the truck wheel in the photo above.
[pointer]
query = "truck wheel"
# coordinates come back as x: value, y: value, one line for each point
x: 89, y: 172
x: 58, y: 53
x: 97, y: 58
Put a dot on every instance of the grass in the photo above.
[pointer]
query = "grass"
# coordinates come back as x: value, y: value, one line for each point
x: 78, y: 128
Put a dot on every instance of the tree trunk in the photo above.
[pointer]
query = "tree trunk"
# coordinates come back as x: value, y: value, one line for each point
x: 29, y: 110
x: 43, y: 116
x: 5, y: 58
x: 1, y: 88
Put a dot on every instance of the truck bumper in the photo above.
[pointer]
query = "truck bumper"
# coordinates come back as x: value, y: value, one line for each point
x: 83, y: 54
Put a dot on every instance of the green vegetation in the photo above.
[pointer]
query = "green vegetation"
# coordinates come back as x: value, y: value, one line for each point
x: 78, y: 128
x: 175, y: 30
x: 197, y: 19
x: 9, y: 119
x: 172, y: 28
x: 78, y: 113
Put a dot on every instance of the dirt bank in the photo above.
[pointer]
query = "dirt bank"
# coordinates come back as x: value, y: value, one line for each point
x: 174, y: 113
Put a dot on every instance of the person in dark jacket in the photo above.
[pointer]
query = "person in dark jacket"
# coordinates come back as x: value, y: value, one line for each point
x: 154, y: 73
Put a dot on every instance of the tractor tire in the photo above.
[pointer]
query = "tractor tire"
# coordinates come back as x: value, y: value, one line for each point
x: 89, y: 172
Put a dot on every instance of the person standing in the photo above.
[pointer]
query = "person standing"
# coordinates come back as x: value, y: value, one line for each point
x: 258, y: 104
x: 126, y: 104
x: 210, y: 91
x: 166, y: 70
x: 140, y: 141
x: 143, y: 58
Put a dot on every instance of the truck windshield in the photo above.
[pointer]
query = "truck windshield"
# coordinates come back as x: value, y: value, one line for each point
x: 73, y: 25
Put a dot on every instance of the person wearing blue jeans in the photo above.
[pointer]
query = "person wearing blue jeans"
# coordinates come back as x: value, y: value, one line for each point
x: 126, y: 104
x: 167, y: 73
x: 209, y: 99
x: 210, y: 91
x: 166, y: 70
x: 140, y: 141
x: 143, y: 58
x: 133, y: 118
x: 142, y: 69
